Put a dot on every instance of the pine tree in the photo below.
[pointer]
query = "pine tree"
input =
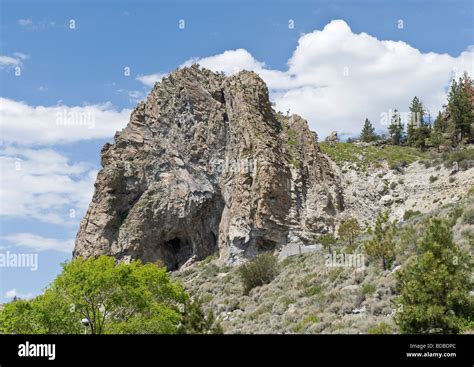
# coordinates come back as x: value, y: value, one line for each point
x: 468, y: 84
x: 460, y: 110
x: 437, y: 134
x: 417, y: 129
x: 434, y: 286
x: 381, y: 246
x: 368, y: 132
x: 396, y: 128
x: 411, y: 134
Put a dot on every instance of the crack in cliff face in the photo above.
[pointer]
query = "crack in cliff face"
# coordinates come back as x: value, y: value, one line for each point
x: 206, y: 165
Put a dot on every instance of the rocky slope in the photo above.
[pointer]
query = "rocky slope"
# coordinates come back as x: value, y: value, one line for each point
x: 308, y: 296
x: 206, y: 165
x: 371, y: 186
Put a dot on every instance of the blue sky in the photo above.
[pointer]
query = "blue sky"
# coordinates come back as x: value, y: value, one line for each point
x: 82, y: 70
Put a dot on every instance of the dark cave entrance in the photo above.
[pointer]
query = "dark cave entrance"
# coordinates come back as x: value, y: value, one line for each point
x: 263, y: 244
x: 176, y: 252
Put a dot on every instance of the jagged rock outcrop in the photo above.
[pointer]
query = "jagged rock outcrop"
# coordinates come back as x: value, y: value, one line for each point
x: 204, y: 165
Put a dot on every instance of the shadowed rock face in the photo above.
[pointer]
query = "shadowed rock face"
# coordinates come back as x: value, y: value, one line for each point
x: 204, y: 165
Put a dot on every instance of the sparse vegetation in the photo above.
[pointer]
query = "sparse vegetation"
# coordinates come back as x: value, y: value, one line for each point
x: 433, y: 179
x: 382, y: 328
x: 366, y: 156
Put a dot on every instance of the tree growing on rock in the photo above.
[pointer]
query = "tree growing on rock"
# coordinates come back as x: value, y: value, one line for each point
x: 434, y: 286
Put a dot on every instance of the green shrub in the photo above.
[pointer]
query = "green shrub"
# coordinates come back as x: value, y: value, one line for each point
x: 195, y: 321
x: 410, y: 214
x: 313, y: 290
x: 259, y: 271
x: 398, y: 165
x: 382, y: 328
x: 468, y: 215
x: 368, y: 289
x: 301, y: 326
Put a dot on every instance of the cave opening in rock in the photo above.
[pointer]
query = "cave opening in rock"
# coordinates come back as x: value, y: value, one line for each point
x: 177, y: 252
x: 213, y: 242
x: 264, y: 244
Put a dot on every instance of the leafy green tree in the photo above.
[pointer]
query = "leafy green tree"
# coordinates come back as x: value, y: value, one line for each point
x: 18, y: 317
x: 368, y: 132
x: 46, y: 314
x: 349, y: 229
x: 105, y: 292
x: 434, y: 286
x: 396, y: 128
x: 381, y: 246
x: 116, y: 298
x: 327, y: 240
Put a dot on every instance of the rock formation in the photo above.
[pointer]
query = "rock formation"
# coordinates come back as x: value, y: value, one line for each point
x: 206, y: 165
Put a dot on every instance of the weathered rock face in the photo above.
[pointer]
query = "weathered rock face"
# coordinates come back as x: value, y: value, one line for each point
x: 204, y: 165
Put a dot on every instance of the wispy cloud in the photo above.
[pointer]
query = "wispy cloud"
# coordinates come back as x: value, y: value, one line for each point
x: 16, y: 59
x: 34, y: 25
x: 39, y: 243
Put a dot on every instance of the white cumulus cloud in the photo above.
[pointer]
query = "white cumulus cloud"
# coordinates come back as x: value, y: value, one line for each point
x: 23, y: 124
x: 151, y: 79
x: 43, y: 185
x: 336, y: 78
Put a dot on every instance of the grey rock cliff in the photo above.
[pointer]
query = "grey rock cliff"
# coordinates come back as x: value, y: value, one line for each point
x: 205, y: 165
